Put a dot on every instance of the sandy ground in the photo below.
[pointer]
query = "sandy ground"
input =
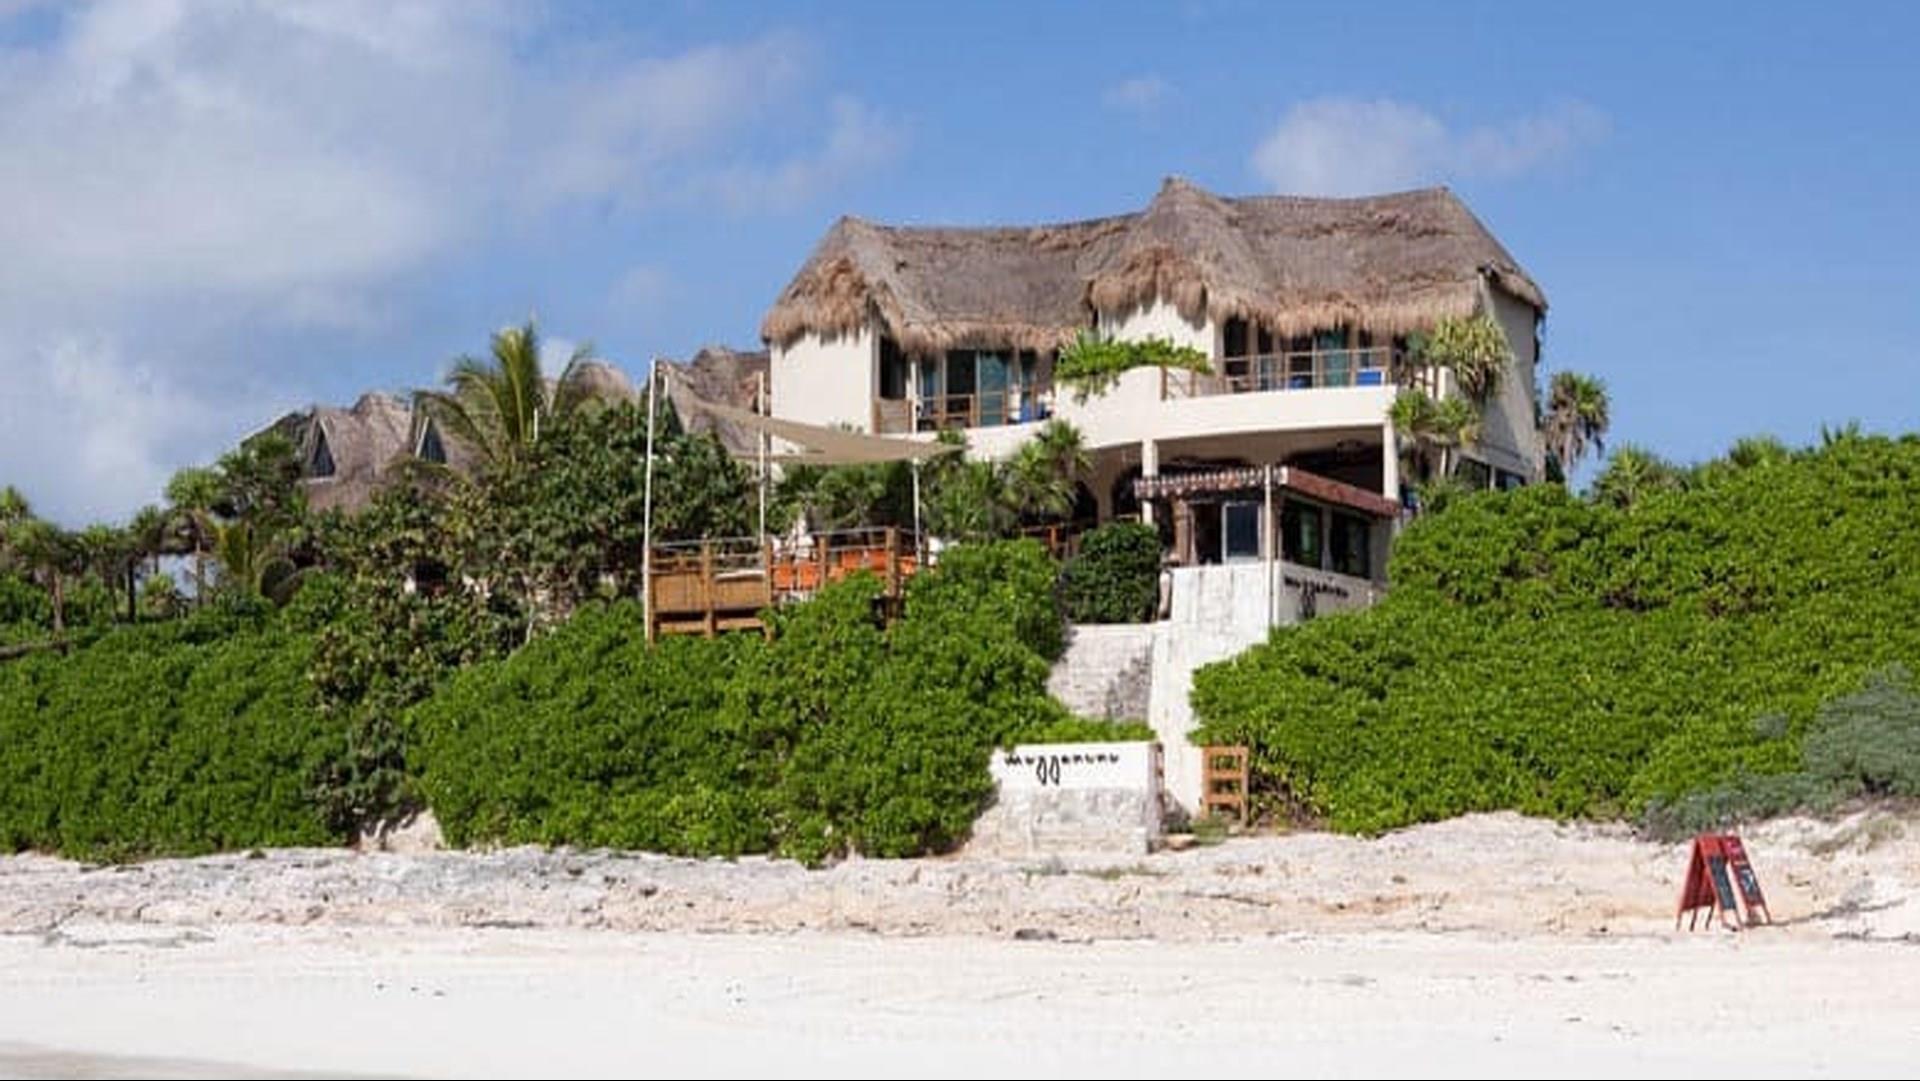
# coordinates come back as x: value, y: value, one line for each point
x: 1487, y: 946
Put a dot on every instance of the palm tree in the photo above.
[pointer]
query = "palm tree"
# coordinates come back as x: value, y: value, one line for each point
x: 14, y: 510
x: 1434, y: 429
x: 13, y: 506
x: 192, y: 494
x: 49, y: 555
x: 1634, y: 473
x: 1753, y: 451
x: 251, y: 561
x: 111, y: 554
x: 149, y: 532
x: 498, y: 406
x: 1044, y: 475
x: 1474, y: 349
x: 1576, y: 420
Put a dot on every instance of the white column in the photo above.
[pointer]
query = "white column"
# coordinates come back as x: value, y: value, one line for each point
x: 1389, y: 462
x: 1149, y: 467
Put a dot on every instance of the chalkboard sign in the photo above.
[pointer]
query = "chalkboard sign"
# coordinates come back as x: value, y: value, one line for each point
x: 1717, y: 864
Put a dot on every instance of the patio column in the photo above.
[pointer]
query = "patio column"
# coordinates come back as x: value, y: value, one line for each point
x: 1389, y: 462
x: 1149, y: 467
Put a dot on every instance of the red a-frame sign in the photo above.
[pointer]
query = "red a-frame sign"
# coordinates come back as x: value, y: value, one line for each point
x: 1721, y: 881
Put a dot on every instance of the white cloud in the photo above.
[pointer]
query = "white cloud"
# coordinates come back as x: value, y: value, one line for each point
x: 641, y: 288
x: 1143, y: 94
x: 554, y: 354
x: 182, y: 181
x: 1347, y: 146
x: 859, y: 142
x: 103, y: 427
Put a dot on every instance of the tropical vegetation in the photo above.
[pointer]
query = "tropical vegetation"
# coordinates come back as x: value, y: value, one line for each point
x: 1670, y: 640
x: 1093, y: 363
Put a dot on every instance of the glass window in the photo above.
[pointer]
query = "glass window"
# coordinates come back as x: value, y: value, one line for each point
x: 1233, y: 338
x: 431, y: 449
x: 1241, y: 532
x: 1350, y: 539
x: 991, y: 371
x: 960, y: 388
x: 1477, y: 476
x: 893, y: 371
x: 1300, y: 533
x: 322, y: 464
x: 1335, y: 361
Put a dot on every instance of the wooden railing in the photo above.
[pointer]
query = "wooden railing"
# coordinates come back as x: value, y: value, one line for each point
x: 1061, y: 539
x: 1315, y: 369
x: 705, y: 587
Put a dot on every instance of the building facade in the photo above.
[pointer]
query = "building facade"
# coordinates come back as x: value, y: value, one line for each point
x: 1303, y: 306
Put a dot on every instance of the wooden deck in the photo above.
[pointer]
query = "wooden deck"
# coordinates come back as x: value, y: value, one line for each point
x: 709, y: 587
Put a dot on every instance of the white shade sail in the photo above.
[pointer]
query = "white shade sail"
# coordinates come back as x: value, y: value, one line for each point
x: 822, y: 445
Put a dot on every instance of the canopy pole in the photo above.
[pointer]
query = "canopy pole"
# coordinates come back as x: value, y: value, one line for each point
x: 919, y: 538
x: 646, y: 528
x: 761, y: 406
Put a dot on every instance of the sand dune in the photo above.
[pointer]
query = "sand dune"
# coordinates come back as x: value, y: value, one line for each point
x: 1487, y: 946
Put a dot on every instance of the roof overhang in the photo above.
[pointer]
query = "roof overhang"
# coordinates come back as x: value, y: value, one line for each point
x: 1288, y: 478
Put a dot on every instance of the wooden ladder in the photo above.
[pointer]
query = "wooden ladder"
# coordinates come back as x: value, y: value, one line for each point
x: 1223, y: 781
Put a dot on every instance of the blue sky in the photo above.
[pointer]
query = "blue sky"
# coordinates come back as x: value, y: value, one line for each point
x: 221, y: 210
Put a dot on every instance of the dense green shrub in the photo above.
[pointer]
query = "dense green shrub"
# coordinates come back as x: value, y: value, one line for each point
x: 1568, y: 658
x: 188, y: 737
x: 1862, y: 744
x: 837, y: 735
x: 1115, y: 577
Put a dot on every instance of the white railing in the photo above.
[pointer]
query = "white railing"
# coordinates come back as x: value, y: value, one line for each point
x: 993, y: 409
x: 1314, y: 369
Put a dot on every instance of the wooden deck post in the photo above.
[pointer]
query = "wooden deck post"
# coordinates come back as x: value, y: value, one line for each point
x: 707, y: 587
x: 653, y: 604
x: 893, y: 561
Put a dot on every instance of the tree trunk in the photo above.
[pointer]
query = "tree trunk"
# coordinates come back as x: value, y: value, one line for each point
x: 199, y: 576
x: 133, y: 592
x: 59, y: 597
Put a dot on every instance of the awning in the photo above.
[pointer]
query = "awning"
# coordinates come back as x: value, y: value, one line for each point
x: 1311, y: 485
x: 822, y: 445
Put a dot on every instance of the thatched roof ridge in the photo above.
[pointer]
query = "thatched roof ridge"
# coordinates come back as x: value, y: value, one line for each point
x: 718, y: 374
x: 362, y: 442
x: 1388, y: 263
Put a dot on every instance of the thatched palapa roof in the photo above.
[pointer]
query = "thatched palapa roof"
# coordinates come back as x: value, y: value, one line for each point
x: 345, y: 453
x: 1387, y: 263
x: 718, y: 374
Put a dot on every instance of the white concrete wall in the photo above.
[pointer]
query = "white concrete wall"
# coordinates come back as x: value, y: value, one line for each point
x: 827, y: 381
x: 1071, y: 798
x: 1220, y: 611
x: 1161, y: 320
x: 1107, y: 671
x: 1508, y: 437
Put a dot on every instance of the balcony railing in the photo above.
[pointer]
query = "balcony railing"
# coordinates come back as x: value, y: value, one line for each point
x: 705, y: 587
x: 995, y: 409
x: 1315, y: 369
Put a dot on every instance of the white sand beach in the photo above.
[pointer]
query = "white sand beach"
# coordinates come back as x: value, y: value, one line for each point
x: 1489, y: 946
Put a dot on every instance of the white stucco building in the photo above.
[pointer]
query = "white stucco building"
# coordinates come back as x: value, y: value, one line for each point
x: 1303, y: 305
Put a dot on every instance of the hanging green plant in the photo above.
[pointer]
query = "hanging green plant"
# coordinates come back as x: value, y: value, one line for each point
x: 1093, y: 364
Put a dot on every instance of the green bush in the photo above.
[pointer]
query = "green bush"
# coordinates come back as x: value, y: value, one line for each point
x: 1569, y: 659
x: 1115, y: 577
x: 837, y: 735
x: 190, y: 737
x: 1862, y: 744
